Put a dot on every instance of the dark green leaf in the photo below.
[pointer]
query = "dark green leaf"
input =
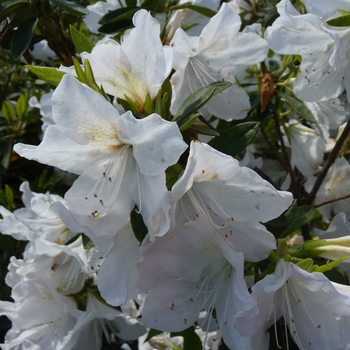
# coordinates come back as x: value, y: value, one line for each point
x: 200, y: 9
x: 48, y: 74
x: 199, y: 98
x: 9, y: 194
x: 298, y: 106
x: 7, y: 243
x: 138, y: 226
x: 81, y: 42
x: 203, y: 130
x: 191, y: 339
x: 6, y: 151
x: 113, y: 27
x: 119, y: 14
x: 235, y: 139
x: 186, y: 123
x: 71, y: 7
x: 343, y: 21
x: 130, y: 3
x: 9, y: 7
x: 22, y: 37
x: 152, y: 333
x: 291, y: 220
x: 337, y: 275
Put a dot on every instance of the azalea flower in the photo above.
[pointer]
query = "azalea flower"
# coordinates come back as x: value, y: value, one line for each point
x: 307, y: 148
x: 136, y: 67
x: 234, y: 198
x: 329, y: 115
x: 324, y: 70
x: 315, y: 310
x: 192, y: 270
x: 37, y: 220
x: 121, y: 160
x: 215, y: 55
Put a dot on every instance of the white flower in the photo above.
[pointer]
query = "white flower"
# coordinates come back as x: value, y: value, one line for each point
x: 121, y: 159
x: 215, y: 55
x: 326, y: 9
x: 37, y: 220
x: 307, y: 148
x: 97, y: 320
x: 324, y: 70
x: 235, y: 198
x: 329, y: 115
x: 189, y: 271
x: 315, y: 310
x: 190, y: 17
x: 137, y: 66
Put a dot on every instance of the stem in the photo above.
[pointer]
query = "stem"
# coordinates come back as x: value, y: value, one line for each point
x: 329, y: 162
x: 287, y: 162
x: 332, y: 200
x: 272, y: 147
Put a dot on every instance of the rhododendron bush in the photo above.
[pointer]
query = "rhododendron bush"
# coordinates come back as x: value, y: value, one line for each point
x: 175, y: 175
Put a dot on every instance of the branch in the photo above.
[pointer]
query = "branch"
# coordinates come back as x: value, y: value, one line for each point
x: 329, y: 162
x: 332, y: 200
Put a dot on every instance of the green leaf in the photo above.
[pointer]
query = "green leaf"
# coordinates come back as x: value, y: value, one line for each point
x: 114, y: 27
x: 294, y: 218
x: 21, y: 107
x: 343, y: 12
x: 71, y: 7
x: 200, y: 9
x: 148, y: 105
x: 203, y: 130
x: 337, y: 275
x: 8, y: 111
x: 80, y: 73
x: 298, y: 106
x: 186, y: 123
x: 331, y: 265
x: 343, y: 21
x: 7, y: 243
x: 199, y: 98
x: 6, y: 151
x: 9, y: 195
x: 306, y: 264
x: 48, y: 74
x: 163, y: 100
x: 191, y: 339
x: 9, y: 7
x: 130, y: 3
x: 22, y: 37
x: 235, y: 139
x: 117, y: 20
x: 81, y: 42
x: 138, y: 226
x: 124, y: 13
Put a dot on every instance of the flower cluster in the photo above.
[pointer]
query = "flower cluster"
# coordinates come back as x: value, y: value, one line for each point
x: 181, y: 216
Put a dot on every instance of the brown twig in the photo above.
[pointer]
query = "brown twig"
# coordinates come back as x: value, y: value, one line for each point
x: 286, y: 157
x: 329, y: 162
x: 332, y: 200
